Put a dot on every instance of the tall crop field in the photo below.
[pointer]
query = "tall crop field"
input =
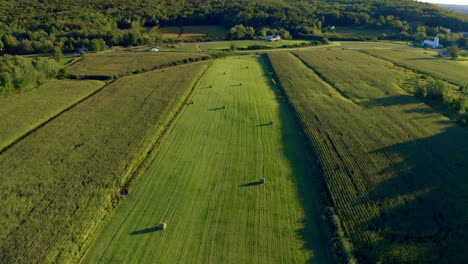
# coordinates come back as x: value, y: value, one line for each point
x: 395, y: 169
x: 443, y: 68
x: 61, y: 180
x: 23, y: 112
x: 111, y: 64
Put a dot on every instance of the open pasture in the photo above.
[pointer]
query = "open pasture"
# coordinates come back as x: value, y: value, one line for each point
x: 204, y: 182
x: 111, y: 64
x: 62, y: 179
x: 395, y: 169
x: 23, y: 112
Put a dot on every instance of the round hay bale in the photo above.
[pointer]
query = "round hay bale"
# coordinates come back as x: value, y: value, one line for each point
x: 162, y: 226
x: 262, y: 181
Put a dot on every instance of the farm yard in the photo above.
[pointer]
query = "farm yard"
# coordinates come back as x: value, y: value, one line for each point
x: 68, y: 173
x: 23, y: 112
x: 204, y: 182
x: 395, y: 169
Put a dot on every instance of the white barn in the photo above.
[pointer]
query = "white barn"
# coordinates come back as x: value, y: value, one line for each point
x: 273, y: 38
x: 431, y: 43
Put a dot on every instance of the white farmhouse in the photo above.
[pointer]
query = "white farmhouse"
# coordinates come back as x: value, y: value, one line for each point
x: 273, y: 38
x: 431, y: 43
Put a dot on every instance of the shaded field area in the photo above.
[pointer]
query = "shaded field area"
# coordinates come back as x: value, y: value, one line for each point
x: 395, y: 169
x: 204, y: 183
x: 23, y: 112
x: 194, y: 33
x: 426, y: 62
x: 61, y: 180
x: 112, y: 64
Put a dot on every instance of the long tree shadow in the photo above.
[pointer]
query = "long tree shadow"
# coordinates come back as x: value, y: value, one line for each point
x: 145, y: 231
x: 422, y: 203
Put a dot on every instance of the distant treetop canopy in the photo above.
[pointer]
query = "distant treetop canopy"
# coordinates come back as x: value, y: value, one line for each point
x: 28, y: 26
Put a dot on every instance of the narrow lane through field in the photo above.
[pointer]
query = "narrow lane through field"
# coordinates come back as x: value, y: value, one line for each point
x: 203, y: 182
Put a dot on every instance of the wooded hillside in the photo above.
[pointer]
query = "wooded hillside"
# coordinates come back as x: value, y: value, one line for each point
x: 31, y: 26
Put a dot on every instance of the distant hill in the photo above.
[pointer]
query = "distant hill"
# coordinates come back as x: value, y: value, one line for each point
x: 457, y: 8
x: 28, y: 26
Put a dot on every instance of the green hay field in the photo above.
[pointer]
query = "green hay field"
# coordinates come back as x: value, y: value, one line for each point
x: 203, y: 183
x: 395, y: 168
x: 23, y: 112
x: 112, y: 64
x: 61, y: 180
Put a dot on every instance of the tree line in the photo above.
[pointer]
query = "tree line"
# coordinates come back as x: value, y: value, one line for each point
x: 31, y: 26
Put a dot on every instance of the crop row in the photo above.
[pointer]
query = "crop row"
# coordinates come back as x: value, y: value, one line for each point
x: 381, y: 157
x: 61, y: 180
x: 25, y: 111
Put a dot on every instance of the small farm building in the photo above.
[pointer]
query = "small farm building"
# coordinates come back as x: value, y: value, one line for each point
x: 431, y: 43
x: 273, y: 38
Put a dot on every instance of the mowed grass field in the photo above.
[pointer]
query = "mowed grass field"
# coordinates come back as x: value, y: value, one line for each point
x: 395, y: 169
x: 112, y: 64
x: 203, y: 181
x: 20, y: 113
x: 60, y: 181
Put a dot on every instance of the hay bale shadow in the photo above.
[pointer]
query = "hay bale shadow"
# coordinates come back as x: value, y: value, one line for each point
x: 146, y: 231
x: 250, y: 184
x: 265, y: 124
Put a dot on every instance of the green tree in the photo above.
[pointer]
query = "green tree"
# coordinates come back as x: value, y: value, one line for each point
x: 237, y: 32
x: 454, y: 51
x: 285, y: 34
x: 97, y: 45
x: 57, y: 54
x: 233, y: 46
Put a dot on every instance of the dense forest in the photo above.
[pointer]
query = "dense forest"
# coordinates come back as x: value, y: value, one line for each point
x: 38, y: 26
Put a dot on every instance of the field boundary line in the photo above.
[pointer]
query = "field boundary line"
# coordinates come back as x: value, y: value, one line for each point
x: 328, y: 206
x: 172, y: 118
x: 149, y: 153
x: 324, y: 192
x: 39, y: 126
x: 324, y: 79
